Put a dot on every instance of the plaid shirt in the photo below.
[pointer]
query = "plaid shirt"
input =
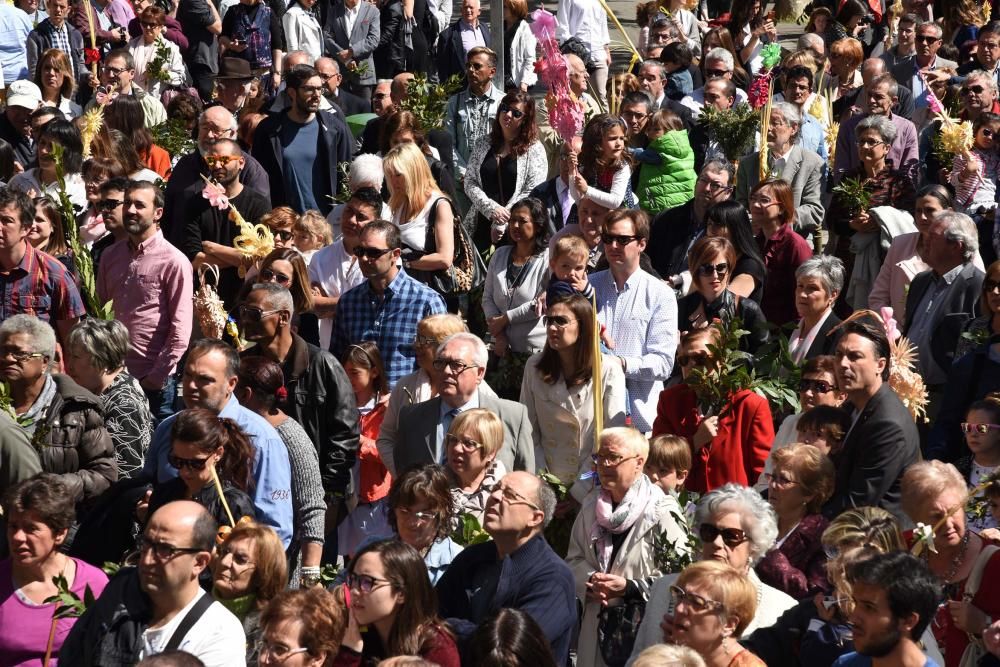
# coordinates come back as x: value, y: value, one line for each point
x: 41, y: 286
x: 60, y: 40
x: 390, y: 322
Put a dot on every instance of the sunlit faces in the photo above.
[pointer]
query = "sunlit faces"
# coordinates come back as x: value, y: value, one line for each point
x: 31, y: 540
x: 859, y: 368
x: 383, y: 601
x: 561, y: 326
x: 811, y: 296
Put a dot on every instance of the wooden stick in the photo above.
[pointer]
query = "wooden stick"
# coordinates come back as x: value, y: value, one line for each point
x: 597, y: 379
x: 52, y: 639
x: 222, y: 495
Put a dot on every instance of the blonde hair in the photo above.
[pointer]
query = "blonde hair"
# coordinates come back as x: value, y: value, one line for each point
x: 926, y: 480
x: 313, y: 222
x: 726, y: 586
x: 629, y: 437
x: 270, y: 576
x: 483, y: 426
x: 409, y: 162
x: 572, y: 246
x: 668, y: 655
x: 441, y: 326
x: 871, y: 526
x: 804, y: 58
x: 813, y: 470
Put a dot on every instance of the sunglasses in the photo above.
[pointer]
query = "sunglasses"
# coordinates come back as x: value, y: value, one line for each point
x: 222, y: 160
x: 982, y: 429
x: 380, y: 96
x: 516, y: 113
x: 696, y: 358
x: 181, y: 463
x: 975, y: 90
x: 150, y: 25
x: 282, y: 234
x: 619, y: 239
x: 280, y: 278
x: 557, y: 321
x: 988, y: 133
x: 709, y: 270
x: 927, y: 39
x: 251, y: 314
x: 109, y: 204
x: 990, y: 285
x: 363, y: 252
x: 815, y: 386
x: 715, y: 73
x: 731, y: 537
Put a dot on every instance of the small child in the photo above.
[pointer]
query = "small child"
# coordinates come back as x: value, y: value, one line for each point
x: 982, y: 436
x: 669, y: 462
x: 604, y: 169
x: 676, y: 58
x: 824, y: 427
x: 310, y: 233
x: 666, y: 172
x: 992, y: 495
x: 975, y: 175
x: 568, y: 264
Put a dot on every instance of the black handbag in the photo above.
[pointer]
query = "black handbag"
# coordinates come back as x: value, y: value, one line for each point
x: 467, y: 270
x: 617, y: 627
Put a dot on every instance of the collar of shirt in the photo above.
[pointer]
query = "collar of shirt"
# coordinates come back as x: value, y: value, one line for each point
x: 487, y: 96
x: 393, y: 287
x: 468, y: 27
x: 784, y: 156
x: 29, y: 261
x: 779, y: 235
x: 352, y: 11
x: 950, y: 276
x: 472, y: 404
x: 149, y: 243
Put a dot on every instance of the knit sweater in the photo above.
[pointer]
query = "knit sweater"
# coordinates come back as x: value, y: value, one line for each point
x: 308, y: 507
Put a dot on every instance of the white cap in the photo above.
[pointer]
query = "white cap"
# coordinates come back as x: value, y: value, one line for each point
x: 25, y: 94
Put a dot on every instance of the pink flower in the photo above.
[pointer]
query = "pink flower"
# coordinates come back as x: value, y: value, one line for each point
x: 566, y: 117
x: 542, y: 22
x: 215, y: 195
x: 890, y: 323
x: 759, y: 89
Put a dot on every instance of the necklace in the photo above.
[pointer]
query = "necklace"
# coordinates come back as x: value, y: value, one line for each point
x: 957, y: 561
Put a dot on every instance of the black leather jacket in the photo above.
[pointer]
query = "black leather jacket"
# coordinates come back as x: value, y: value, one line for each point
x: 726, y: 306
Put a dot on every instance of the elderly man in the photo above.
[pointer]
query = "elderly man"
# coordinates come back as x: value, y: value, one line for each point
x: 461, y: 360
x: 516, y: 569
x: 911, y: 74
x: 588, y: 22
x: 119, y: 71
x: 232, y: 84
x: 652, y: 81
x: 382, y: 98
x: 457, y: 40
x: 799, y: 167
x: 578, y: 78
x: 159, y: 603
x: 718, y: 63
x: 871, y: 68
x: 335, y: 93
x: 721, y: 94
x: 470, y: 112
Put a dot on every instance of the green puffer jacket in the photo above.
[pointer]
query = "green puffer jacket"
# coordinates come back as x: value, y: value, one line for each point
x: 671, y: 183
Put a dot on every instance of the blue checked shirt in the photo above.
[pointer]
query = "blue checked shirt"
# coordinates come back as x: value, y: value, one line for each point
x: 389, y: 321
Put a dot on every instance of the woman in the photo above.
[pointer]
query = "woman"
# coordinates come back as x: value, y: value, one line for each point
x: 248, y: 571
x: 905, y: 257
x: 505, y: 166
x: 402, y: 46
x: 252, y: 30
x: 471, y: 446
x: 710, y: 261
x: 935, y: 493
x: 390, y: 593
x: 801, y: 482
x: 125, y: 114
x: 302, y: 29
x: 123, y: 147
x: 96, y: 171
x: 558, y: 391
x: 39, y: 512
x: 730, y: 220
x: 158, y: 62
x: 259, y: 382
x: 511, y: 638
x: 301, y: 628
x: 516, y: 276
x: 818, y: 282
x: 402, y: 127
x: 730, y: 446
x: 281, y: 221
x: 519, y: 45
x: 203, y: 445
x: 846, y: 56
x: 751, y: 30
x: 54, y: 77
x: 41, y: 180
x: 987, y: 325
x: 46, y: 232
x: 95, y: 358
x: 736, y: 527
x: 611, y: 550
x: 772, y: 214
x: 847, y: 22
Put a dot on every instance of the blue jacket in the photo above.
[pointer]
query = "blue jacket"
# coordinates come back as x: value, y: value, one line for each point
x: 533, y: 579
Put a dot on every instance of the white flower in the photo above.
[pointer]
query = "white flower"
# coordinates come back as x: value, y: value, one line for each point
x: 925, y: 534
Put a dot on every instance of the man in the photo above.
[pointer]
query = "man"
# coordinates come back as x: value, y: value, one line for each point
x: 800, y: 168
x: 458, y: 40
x: 281, y: 101
x: 979, y: 95
x: 883, y: 440
x: 883, y: 93
x: 639, y: 313
x: 798, y: 90
x: 387, y: 306
x: 348, y: 103
x: 944, y: 298
x: 652, y: 79
x: 896, y: 596
x: 470, y: 113
x: 588, y: 22
x: 987, y: 56
x: 32, y: 282
x: 906, y: 47
x: 854, y: 101
x: 319, y: 395
x: 151, y: 284
x: 554, y: 193
x: 718, y: 63
x: 16, y: 26
x: 461, y: 361
x: 352, y: 35
x: 636, y: 108
x: 721, y: 94
x: 119, y: 71
x: 232, y: 84
x: 911, y: 74
x: 208, y: 382
x: 55, y: 32
x: 23, y: 97
x: 107, y: 35
x: 516, y: 568
x: 578, y: 78
x: 300, y: 148
x: 109, y: 205
x: 382, y: 98
x: 334, y: 270
x: 201, y: 24
x: 208, y: 234
x: 143, y: 608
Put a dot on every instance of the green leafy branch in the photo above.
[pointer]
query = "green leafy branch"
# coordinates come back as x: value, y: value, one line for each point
x: 156, y: 69
x: 469, y: 531
x: 670, y: 556
x: 428, y: 101
x: 854, y: 195
x: 173, y: 136
x: 733, y: 129
x: 68, y: 605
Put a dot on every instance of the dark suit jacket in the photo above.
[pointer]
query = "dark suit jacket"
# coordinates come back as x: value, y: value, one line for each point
x: 824, y: 343
x: 804, y: 172
x: 961, y: 304
x: 881, y: 445
x: 451, y: 53
x: 547, y: 193
x: 669, y: 236
x: 418, y: 423
x: 349, y: 103
x: 904, y: 107
x: 903, y: 72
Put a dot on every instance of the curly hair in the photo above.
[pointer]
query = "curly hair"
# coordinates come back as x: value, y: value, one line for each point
x: 528, y: 133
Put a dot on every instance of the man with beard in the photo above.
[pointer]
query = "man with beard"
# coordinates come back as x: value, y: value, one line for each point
x: 143, y: 607
x: 895, y: 599
x: 301, y: 147
x: 207, y: 237
x: 151, y: 284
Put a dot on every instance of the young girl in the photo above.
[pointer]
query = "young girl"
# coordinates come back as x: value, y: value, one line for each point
x: 819, y: 20
x: 666, y: 175
x: 975, y: 175
x: 364, y: 368
x: 603, y: 169
x: 982, y: 435
x: 310, y: 233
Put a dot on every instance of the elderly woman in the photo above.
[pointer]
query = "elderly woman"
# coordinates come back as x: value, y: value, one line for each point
x: 818, y: 282
x: 95, y: 358
x: 773, y: 215
x: 148, y: 48
x: 39, y: 512
x: 62, y: 419
x: 987, y: 325
x: 302, y: 628
x: 731, y: 220
x: 730, y: 446
x: 711, y: 261
x: 248, y: 571
x: 471, y: 447
x: 504, y: 167
x: 935, y: 493
x: 611, y: 547
x: 735, y: 527
x: 801, y: 482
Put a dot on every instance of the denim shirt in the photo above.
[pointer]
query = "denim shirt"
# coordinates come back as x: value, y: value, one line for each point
x: 469, y: 118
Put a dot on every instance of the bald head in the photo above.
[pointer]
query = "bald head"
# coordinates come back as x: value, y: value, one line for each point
x: 400, y: 82
x: 213, y: 124
x: 870, y: 69
x: 187, y: 514
x: 293, y: 58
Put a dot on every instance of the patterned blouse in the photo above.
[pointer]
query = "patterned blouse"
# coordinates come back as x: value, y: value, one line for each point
x: 127, y: 418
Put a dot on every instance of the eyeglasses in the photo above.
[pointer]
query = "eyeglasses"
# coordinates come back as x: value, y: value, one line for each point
x: 780, y: 480
x: 987, y: 132
x: 222, y: 160
x: 468, y: 444
x: 270, y: 275
x: 253, y: 314
x: 634, y: 115
x: 715, y: 73
x: 731, y: 537
x: 420, y: 518
x: 697, y: 603
x: 162, y: 550
x: 282, y: 234
x: 516, y: 113
x: 380, y: 96
x: 18, y: 355
x: 815, y: 386
x: 989, y: 45
x: 109, y: 204
x: 709, y: 270
x: 975, y: 90
x: 425, y: 341
x: 714, y: 187
x: 279, y: 652
x: 558, y: 321
x: 619, y: 239
x: 476, y: 66
x: 610, y: 460
x: 927, y: 39
x: 982, y: 429
x: 193, y: 464
x: 870, y: 143
x: 990, y: 285
x: 114, y: 71
x: 364, y: 583
x: 512, y: 497
x: 364, y: 252
x: 455, y: 366
x: 149, y: 25
x: 696, y: 358
x: 239, y: 560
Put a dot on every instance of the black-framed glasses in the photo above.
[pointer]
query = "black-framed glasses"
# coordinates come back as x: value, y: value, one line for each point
x: 715, y: 73
x: 869, y: 143
x: 620, y: 239
x: 697, y: 603
x: 815, y: 386
x: 180, y: 462
x: 18, y: 355
x: 696, y: 358
x: 109, y: 204
x: 282, y: 234
x: 709, y: 270
x: 468, y: 445
x: 254, y: 314
x: 714, y: 187
x: 455, y: 366
x: 558, y: 321
x: 516, y: 113
x: 162, y: 550
x: 270, y: 275
x: 990, y: 285
x: 364, y: 583
x: 926, y: 39
x: 511, y: 497
x: 731, y: 537
x: 981, y: 429
x: 364, y: 252
x: 114, y: 71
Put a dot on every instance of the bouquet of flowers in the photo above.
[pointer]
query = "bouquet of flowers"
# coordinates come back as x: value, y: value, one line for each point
x: 762, y: 95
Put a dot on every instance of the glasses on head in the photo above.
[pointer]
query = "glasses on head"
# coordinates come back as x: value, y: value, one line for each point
x: 455, y: 366
x: 516, y: 113
x: 425, y: 341
x: 511, y: 497
x: 254, y: 314
x: 420, y: 518
x: 780, y: 480
x: 181, y: 463
x: 731, y: 537
x: 364, y: 252
x: 709, y: 270
x: 619, y: 239
x: 693, y: 358
x: 927, y: 39
x: 697, y: 603
x: 114, y: 71
x: 109, y: 204
x: 221, y: 160
x: 557, y: 321
x: 364, y: 583
x: 610, y: 460
x: 982, y: 429
x: 279, y: 652
x: 468, y: 444
x: 162, y: 550
x: 869, y: 143
x: 990, y: 285
x: 18, y: 355
x: 815, y: 386
x: 715, y: 73
x: 272, y: 276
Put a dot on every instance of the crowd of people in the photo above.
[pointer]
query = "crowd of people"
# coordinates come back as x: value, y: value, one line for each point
x: 312, y: 356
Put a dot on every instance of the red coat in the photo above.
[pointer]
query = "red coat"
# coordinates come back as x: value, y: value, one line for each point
x: 736, y: 454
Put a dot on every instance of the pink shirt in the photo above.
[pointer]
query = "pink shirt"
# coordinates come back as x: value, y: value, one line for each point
x: 152, y: 289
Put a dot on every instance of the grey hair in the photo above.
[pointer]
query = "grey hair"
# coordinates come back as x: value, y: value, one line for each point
x: 717, y: 166
x: 669, y: 654
x: 657, y: 64
x: 792, y: 116
x: 890, y: 83
x: 333, y: 61
x: 42, y: 335
x: 810, y: 41
x: 366, y: 170
x: 827, y: 268
x: 722, y: 55
x: 881, y: 124
x: 757, y: 517
x: 938, y: 30
x: 296, y: 54
x: 233, y: 123
x: 106, y: 342
x: 276, y: 297
x: 960, y: 228
x: 980, y: 75
x: 546, y: 501
x: 480, y: 353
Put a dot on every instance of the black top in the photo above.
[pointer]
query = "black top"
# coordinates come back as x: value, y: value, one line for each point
x: 756, y: 270
x: 508, y: 39
x: 498, y: 176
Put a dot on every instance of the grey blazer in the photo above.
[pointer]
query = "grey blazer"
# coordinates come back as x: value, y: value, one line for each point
x: 804, y: 171
x: 417, y: 441
x: 362, y: 41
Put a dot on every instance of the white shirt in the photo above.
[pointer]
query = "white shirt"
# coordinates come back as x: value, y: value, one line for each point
x: 351, y: 16
x: 217, y: 638
x: 696, y: 100
x: 333, y: 269
x: 586, y: 20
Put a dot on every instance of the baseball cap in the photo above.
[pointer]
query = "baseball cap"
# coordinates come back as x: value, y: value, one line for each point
x: 25, y: 94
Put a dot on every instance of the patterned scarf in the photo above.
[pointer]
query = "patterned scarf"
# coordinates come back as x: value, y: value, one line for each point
x: 640, y: 498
